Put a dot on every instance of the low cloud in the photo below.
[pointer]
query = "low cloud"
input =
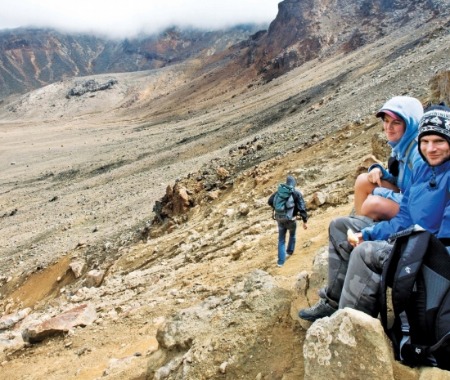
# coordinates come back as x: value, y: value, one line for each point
x: 129, y: 18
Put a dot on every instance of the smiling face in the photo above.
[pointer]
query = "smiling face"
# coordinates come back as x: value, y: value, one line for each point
x: 435, y: 149
x: 394, y: 128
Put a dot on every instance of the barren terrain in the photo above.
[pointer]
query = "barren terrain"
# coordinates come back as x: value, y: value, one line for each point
x: 80, y: 177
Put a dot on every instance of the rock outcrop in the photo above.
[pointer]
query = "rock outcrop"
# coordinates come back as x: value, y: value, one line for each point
x: 90, y: 85
x: 248, y: 316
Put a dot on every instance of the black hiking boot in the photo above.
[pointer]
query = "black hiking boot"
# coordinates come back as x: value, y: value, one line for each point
x: 321, y: 309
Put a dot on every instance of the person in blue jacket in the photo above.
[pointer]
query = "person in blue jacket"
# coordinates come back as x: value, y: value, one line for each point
x: 289, y: 225
x: 355, y: 265
x: 378, y: 192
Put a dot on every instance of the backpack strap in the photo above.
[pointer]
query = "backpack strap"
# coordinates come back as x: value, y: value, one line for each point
x: 436, y: 346
x: 388, y: 272
x: 411, y: 145
x: 273, y: 205
x: 404, y: 262
x: 400, y: 272
x: 408, y: 161
x: 408, y: 266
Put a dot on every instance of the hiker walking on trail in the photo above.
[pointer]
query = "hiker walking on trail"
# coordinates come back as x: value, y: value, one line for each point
x: 355, y: 259
x: 378, y: 192
x: 287, y: 203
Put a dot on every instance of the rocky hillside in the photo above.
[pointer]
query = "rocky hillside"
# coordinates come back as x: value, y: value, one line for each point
x: 308, y: 29
x: 33, y: 58
x: 302, y: 31
x: 136, y: 239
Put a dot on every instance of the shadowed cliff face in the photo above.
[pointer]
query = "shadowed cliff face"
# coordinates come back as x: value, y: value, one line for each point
x: 308, y: 29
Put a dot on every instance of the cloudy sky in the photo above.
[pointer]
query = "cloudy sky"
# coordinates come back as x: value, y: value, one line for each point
x: 125, y: 18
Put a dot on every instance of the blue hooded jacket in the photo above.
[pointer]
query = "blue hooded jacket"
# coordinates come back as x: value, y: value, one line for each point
x: 300, y: 207
x: 422, y: 204
x: 405, y: 150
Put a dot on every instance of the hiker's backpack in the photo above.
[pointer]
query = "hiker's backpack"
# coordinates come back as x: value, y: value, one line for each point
x: 283, y: 203
x: 418, y: 271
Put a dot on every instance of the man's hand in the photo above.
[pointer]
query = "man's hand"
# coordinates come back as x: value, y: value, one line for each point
x: 353, y: 238
x: 305, y: 226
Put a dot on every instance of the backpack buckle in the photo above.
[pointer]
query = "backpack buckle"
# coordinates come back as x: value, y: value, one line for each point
x: 414, y: 354
x: 405, y: 329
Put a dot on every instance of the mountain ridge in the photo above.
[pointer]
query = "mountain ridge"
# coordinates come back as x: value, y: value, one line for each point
x: 32, y: 58
x: 301, y: 31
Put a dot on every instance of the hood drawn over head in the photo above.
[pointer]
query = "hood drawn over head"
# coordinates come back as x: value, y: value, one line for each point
x: 290, y: 181
x: 410, y: 110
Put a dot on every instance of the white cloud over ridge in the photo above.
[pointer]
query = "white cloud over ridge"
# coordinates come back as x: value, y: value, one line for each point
x: 119, y: 18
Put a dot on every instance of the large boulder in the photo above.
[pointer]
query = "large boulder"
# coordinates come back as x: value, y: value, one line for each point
x: 350, y: 344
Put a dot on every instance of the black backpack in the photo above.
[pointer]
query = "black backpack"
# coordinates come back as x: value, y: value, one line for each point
x: 283, y: 203
x: 418, y: 271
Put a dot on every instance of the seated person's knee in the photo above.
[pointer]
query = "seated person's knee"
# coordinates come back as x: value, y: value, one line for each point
x: 362, y: 180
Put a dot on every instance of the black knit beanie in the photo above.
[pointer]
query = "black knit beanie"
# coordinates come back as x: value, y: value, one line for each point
x: 435, y: 121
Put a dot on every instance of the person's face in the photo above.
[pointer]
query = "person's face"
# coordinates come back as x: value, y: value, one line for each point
x: 393, y: 128
x: 435, y: 149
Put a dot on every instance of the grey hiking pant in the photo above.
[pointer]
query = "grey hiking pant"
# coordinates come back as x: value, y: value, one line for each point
x: 354, y: 273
